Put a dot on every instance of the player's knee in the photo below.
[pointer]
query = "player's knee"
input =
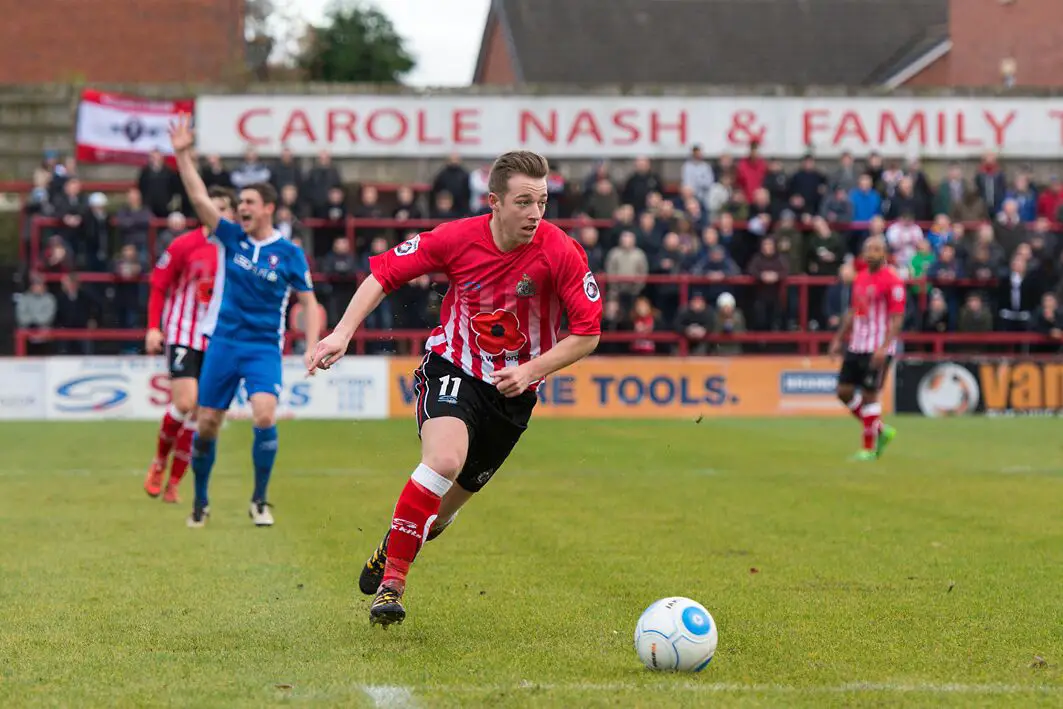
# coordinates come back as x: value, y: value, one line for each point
x: 845, y: 392
x: 263, y: 419
x: 184, y: 401
x: 446, y: 463
x: 209, y: 423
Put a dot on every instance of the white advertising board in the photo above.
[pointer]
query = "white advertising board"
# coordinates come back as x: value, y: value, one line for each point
x: 22, y: 385
x: 94, y: 388
x: 595, y: 126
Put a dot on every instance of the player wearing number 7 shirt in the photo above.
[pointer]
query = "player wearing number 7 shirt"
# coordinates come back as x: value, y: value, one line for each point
x: 181, y: 286
x: 872, y: 325
x: 511, y: 275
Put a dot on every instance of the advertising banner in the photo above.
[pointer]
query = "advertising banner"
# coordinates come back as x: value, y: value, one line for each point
x: 22, y: 383
x: 87, y: 388
x: 662, y: 387
x: 628, y: 126
x: 984, y: 386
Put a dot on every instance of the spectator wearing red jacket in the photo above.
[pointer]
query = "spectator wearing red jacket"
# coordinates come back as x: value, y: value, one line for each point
x: 751, y: 171
x: 1051, y: 199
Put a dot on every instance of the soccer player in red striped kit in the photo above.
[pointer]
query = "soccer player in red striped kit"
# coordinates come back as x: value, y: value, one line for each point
x: 511, y: 275
x: 181, y: 286
x: 872, y: 324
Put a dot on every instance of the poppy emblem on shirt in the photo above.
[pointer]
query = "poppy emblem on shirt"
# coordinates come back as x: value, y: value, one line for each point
x: 408, y: 247
x: 497, y: 332
x: 526, y: 287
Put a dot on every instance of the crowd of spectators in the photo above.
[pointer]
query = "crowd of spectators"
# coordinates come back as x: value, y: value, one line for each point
x: 980, y: 248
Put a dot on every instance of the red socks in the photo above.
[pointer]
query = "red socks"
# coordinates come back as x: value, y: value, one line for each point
x: 168, y: 430
x: 414, y: 513
x: 871, y: 415
x: 182, y: 454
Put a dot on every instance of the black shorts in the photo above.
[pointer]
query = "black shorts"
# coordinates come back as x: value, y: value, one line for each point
x: 857, y: 371
x: 184, y: 362
x: 495, y: 423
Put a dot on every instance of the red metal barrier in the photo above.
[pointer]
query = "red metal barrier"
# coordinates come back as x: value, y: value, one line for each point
x: 811, y: 342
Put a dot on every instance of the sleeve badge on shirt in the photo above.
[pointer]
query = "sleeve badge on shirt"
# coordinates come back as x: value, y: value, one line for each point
x: 590, y: 287
x: 164, y: 260
x: 408, y: 247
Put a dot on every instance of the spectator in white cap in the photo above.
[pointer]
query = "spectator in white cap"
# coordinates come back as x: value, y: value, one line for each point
x: 729, y: 321
x: 94, y: 243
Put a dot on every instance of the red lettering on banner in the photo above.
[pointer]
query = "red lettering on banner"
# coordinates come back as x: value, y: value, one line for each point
x: 585, y: 124
x: 244, y: 131
x: 943, y: 128
x: 744, y: 129
x: 850, y: 124
x: 657, y: 126
x: 160, y: 390
x: 422, y: 131
x: 463, y: 123
x: 809, y: 125
x: 1058, y: 115
x: 547, y: 133
x: 889, y: 123
x: 620, y: 120
x: 340, y: 121
x: 376, y: 132
x: 999, y: 129
x: 961, y: 133
x: 297, y: 123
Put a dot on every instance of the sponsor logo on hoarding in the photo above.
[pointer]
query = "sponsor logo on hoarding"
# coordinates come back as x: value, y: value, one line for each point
x: 95, y: 392
x: 818, y: 383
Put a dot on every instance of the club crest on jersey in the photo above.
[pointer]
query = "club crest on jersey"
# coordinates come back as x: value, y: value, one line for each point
x: 590, y: 287
x: 274, y: 260
x: 408, y: 247
x: 526, y: 287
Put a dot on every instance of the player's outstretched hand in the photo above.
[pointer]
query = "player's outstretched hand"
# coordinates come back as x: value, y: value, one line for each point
x: 181, y: 134
x: 327, y: 352
x: 511, y: 381
x: 153, y: 341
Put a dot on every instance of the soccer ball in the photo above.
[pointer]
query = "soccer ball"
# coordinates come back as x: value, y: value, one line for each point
x: 676, y: 634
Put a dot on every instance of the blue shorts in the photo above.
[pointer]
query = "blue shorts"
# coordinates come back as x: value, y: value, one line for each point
x: 227, y: 363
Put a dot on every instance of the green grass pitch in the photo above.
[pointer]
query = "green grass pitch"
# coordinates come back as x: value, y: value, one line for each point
x: 929, y: 578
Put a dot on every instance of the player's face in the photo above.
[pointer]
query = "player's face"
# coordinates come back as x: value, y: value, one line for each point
x: 874, y: 253
x: 522, y: 207
x: 224, y: 207
x: 255, y: 215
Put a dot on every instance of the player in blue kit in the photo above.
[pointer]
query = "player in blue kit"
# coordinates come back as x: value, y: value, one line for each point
x: 257, y: 269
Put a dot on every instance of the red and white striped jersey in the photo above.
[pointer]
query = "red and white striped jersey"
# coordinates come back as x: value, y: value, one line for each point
x: 181, y: 286
x: 502, y: 308
x: 876, y: 296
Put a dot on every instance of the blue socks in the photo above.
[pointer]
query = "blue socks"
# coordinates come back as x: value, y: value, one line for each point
x: 263, y: 453
x: 203, y: 452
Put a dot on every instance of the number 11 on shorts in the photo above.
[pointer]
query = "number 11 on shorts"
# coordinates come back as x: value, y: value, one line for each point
x: 453, y: 382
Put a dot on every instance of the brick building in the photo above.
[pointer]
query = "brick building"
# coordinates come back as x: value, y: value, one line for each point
x: 865, y: 43
x: 117, y: 41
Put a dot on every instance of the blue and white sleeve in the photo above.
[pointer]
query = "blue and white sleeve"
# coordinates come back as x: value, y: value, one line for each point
x: 228, y: 233
x: 299, y: 277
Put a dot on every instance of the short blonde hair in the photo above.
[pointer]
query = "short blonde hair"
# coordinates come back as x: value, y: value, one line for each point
x: 516, y: 162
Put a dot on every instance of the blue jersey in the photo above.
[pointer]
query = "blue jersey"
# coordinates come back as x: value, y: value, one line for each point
x: 252, y: 285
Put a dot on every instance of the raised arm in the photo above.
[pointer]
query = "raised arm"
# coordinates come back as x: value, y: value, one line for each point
x: 183, y: 138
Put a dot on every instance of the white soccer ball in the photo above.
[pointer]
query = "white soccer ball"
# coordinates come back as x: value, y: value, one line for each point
x: 676, y: 634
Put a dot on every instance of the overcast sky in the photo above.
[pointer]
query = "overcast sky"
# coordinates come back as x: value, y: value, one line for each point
x: 443, y: 35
